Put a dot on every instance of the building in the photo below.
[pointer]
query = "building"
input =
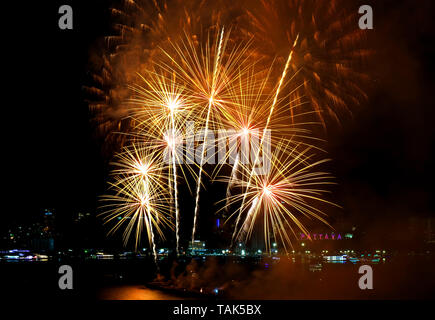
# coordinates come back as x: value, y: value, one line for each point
x: 197, y: 248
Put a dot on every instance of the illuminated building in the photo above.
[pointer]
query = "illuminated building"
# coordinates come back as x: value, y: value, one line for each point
x: 197, y: 248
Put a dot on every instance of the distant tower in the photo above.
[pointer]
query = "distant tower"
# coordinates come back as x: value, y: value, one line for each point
x: 49, y: 223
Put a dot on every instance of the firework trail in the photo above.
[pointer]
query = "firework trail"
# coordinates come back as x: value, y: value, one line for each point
x: 153, y: 242
x: 173, y: 182
x: 148, y: 217
x: 265, y: 129
x: 249, y: 217
x: 233, y: 177
x: 177, y: 210
x: 210, y: 103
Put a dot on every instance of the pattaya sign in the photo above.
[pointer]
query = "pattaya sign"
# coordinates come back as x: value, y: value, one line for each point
x: 320, y: 236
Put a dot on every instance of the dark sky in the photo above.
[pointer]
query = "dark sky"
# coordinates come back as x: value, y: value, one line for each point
x: 382, y: 157
x: 52, y: 158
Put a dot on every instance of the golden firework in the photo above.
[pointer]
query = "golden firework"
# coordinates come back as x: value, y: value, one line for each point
x: 289, y: 191
x: 138, y: 197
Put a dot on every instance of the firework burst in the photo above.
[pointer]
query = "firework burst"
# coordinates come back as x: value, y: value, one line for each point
x: 281, y: 197
x: 139, y: 196
x: 161, y: 110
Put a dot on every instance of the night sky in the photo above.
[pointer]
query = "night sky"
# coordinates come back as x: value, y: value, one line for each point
x: 382, y: 157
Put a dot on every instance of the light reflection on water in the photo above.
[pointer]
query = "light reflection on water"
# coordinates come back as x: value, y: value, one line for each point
x: 136, y: 292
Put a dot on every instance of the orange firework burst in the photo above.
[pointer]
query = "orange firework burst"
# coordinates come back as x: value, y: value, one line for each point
x: 282, y: 196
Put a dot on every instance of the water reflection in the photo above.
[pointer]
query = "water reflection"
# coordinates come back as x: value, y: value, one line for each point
x: 136, y: 292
